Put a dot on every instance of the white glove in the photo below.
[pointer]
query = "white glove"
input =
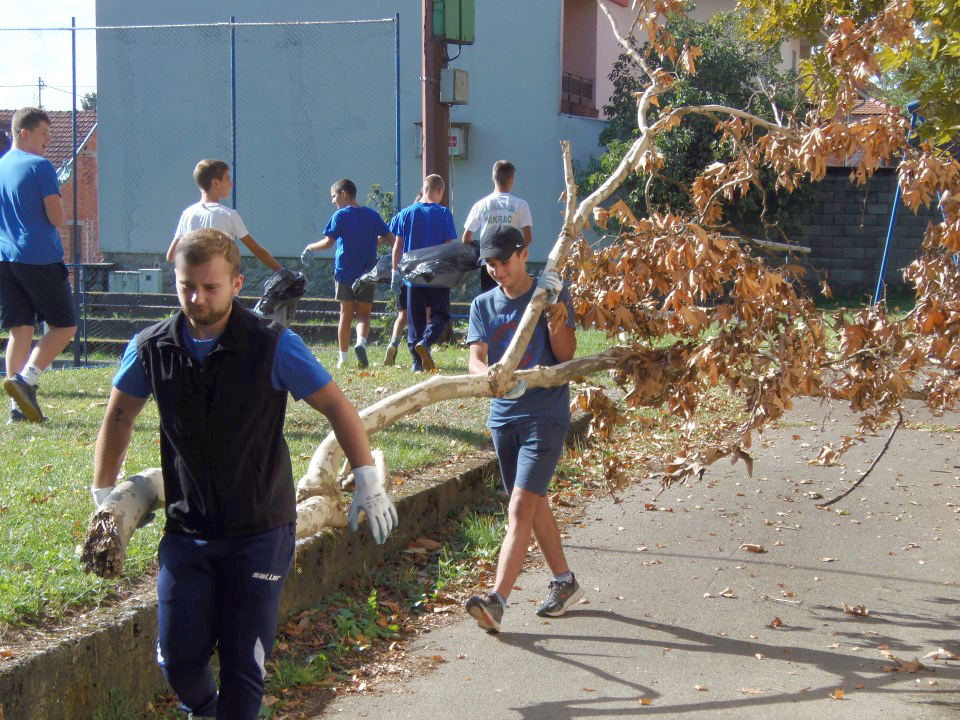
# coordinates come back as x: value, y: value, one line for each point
x: 100, y: 495
x: 551, y: 282
x: 371, y: 497
x: 516, y: 391
x: 305, y: 255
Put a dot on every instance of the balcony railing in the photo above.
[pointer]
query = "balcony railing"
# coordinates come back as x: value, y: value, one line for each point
x: 577, y: 89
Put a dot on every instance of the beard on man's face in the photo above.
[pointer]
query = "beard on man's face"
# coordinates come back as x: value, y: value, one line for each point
x: 209, y: 316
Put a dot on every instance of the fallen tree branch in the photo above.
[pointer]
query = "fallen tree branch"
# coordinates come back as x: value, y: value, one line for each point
x: 321, y: 475
x: 863, y: 477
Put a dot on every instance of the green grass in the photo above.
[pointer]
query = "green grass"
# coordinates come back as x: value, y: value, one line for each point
x: 45, y: 472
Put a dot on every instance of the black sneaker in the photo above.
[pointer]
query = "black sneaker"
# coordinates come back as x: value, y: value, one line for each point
x: 560, y: 597
x: 423, y: 352
x: 361, y: 352
x: 391, y: 357
x: 487, y: 610
x: 25, y: 396
x: 15, y: 416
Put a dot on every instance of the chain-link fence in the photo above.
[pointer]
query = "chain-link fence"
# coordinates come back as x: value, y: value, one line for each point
x: 292, y: 107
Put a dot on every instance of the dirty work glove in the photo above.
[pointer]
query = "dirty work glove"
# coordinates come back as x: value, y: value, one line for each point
x: 305, y: 255
x: 516, y: 391
x: 100, y: 495
x: 371, y: 497
x: 396, y: 281
x: 551, y: 282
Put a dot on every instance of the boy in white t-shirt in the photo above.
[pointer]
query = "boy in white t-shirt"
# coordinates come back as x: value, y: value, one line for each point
x: 213, y: 179
x: 499, y: 208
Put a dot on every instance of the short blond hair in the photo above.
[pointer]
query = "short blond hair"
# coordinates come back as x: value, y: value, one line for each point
x: 201, y: 246
x: 434, y: 184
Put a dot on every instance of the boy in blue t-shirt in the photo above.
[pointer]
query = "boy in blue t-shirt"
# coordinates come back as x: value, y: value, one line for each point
x: 355, y: 230
x: 528, y: 426
x: 33, y: 278
x: 424, y: 224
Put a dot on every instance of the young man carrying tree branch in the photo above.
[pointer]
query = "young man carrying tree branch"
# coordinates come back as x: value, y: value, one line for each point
x: 220, y: 375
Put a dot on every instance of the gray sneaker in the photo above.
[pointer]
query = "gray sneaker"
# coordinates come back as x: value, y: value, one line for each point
x: 361, y: 352
x: 391, y: 357
x: 487, y: 611
x: 560, y: 597
x: 25, y: 396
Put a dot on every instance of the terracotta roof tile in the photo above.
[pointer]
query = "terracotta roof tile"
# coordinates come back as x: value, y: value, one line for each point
x: 60, y: 150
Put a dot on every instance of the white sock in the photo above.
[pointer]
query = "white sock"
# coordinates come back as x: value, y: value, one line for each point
x: 566, y: 577
x: 31, y: 374
x: 13, y: 405
x: 342, y: 355
x: 394, y: 340
x: 361, y: 341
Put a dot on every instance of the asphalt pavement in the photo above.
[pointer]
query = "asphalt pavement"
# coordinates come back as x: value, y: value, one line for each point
x: 681, y: 618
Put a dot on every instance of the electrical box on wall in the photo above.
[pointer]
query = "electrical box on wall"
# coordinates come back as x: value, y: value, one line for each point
x: 123, y: 281
x: 456, y: 140
x: 454, y: 86
x: 151, y: 280
x: 453, y: 21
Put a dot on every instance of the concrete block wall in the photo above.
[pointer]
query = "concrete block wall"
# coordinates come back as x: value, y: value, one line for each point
x: 846, y: 229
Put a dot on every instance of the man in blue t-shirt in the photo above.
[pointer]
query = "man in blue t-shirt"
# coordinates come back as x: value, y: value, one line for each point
x: 528, y: 426
x: 220, y: 375
x: 355, y: 230
x: 424, y: 224
x: 33, y: 278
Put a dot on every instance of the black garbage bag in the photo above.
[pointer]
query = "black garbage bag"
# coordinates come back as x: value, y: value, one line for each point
x: 447, y: 265
x: 281, y: 291
x: 380, y: 273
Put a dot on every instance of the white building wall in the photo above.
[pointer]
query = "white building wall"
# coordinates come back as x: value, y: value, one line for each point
x: 513, y: 113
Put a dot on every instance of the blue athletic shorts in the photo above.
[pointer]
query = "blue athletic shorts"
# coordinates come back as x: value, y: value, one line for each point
x: 528, y: 452
x: 32, y: 292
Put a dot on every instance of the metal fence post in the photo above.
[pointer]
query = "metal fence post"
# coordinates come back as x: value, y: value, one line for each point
x: 77, y: 259
x: 399, y: 199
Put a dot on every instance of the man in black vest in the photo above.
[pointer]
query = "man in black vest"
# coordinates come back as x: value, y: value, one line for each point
x: 220, y: 375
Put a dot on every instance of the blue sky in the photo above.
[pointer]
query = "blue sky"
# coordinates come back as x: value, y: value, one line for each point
x: 30, y: 55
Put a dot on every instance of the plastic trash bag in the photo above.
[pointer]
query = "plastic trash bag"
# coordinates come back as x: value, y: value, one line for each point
x: 447, y: 265
x: 379, y: 274
x: 281, y: 291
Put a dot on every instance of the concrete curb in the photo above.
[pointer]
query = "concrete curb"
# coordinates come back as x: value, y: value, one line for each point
x: 73, y: 679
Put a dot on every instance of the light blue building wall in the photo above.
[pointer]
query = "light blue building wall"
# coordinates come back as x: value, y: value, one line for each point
x: 157, y: 94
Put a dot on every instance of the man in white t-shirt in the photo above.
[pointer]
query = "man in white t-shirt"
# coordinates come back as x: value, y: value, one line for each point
x: 213, y: 179
x: 498, y: 208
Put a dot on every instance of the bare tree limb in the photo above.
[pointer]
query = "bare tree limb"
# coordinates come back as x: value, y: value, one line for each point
x: 863, y: 477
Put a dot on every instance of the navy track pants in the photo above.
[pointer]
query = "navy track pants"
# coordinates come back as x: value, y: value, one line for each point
x: 222, y: 593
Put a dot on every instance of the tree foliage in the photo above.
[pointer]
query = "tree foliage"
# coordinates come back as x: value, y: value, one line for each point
x: 913, y: 47
x: 730, y: 71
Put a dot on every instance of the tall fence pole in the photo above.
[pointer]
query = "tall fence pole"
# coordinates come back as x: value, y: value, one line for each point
x: 912, y: 109
x: 233, y: 103
x: 396, y: 26
x: 77, y: 259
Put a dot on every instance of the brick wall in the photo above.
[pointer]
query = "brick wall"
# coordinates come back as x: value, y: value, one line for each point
x: 846, y: 229
x: 87, y: 204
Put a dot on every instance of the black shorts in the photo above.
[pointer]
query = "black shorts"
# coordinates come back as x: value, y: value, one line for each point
x: 35, y: 292
x: 402, y: 299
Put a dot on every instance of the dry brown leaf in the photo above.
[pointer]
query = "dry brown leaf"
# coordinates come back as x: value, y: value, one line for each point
x: 750, y: 547
x: 860, y: 610
x: 727, y: 593
x: 828, y: 559
x: 904, y: 666
x: 837, y: 694
x: 644, y: 701
x: 750, y: 691
x: 701, y: 688
x: 939, y: 654
x: 775, y: 623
